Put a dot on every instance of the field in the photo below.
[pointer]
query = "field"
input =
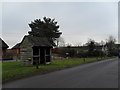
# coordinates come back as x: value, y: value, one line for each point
x: 15, y: 70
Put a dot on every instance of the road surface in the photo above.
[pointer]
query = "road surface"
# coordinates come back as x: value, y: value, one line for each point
x: 101, y: 74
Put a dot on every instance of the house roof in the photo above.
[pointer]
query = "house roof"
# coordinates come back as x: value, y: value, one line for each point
x: 17, y: 46
x: 38, y: 41
x: 3, y: 44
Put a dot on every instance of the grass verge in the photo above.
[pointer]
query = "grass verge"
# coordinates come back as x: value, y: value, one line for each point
x: 15, y: 70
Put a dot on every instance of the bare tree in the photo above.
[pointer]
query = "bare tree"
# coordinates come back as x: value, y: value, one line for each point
x: 102, y: 43
x: 78, y: 44
x: 111, y: 39
x: 60, y: 42
x: 110, y: 43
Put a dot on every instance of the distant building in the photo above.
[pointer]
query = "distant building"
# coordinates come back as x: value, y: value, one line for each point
x: 117, y: 48
x: 78, y: 51
x: 35, y: 49
x: 3, y: 48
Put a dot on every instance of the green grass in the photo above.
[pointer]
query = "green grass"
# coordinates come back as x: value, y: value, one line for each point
x: 15, y: 70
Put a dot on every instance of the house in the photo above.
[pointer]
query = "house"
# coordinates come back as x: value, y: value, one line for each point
x: 16, y: 51
x: 35, y: 50
x: 3, y: 48
x: 117, y: 47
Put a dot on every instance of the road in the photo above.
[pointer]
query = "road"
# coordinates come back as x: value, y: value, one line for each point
x: 9, y: 60
x: 101, y: 74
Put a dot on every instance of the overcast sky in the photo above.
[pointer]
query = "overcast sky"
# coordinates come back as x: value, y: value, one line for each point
x: 78, y: 21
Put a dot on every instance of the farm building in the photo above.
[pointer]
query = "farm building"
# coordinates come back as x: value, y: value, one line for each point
x: 35, y: 49
x: 16, y: 51
x: 3, y: 48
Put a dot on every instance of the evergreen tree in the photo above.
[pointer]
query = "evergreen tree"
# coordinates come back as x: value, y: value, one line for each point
x: 45, y: 28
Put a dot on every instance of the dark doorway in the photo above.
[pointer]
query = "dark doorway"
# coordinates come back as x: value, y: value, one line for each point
x: 41, y: 55
x: 36, y: 55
